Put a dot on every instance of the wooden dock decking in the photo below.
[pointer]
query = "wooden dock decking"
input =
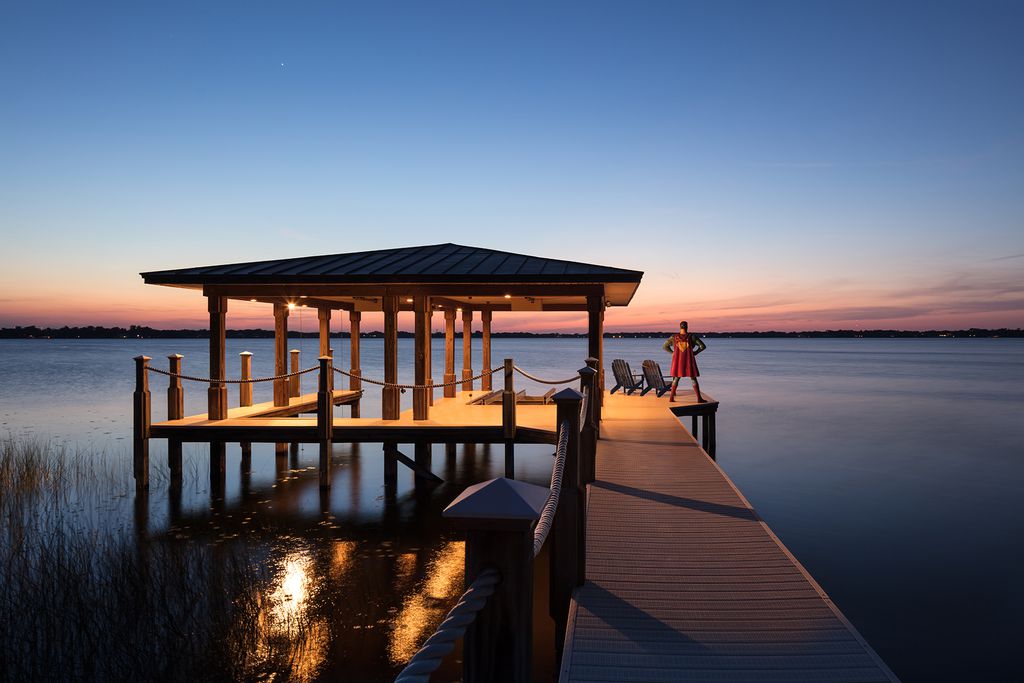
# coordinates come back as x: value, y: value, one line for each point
x: 684, y: 580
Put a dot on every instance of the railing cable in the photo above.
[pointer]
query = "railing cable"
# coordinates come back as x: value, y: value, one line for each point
x: 418, y: 386
x: 547, y: 515
x: 211, y: 380
x: 524, y: 373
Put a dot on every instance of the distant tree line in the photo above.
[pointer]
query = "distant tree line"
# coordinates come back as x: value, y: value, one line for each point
x: 143, y: 332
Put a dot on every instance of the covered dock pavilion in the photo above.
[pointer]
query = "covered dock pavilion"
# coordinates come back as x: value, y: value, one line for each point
x: 447, y: 279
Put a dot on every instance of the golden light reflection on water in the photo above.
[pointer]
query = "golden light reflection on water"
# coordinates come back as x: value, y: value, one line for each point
x: 289, y: 630
x: 423, y: 610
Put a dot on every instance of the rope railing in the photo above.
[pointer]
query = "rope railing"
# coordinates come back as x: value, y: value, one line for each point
x: 453, y: 383
x: 584, y: 409
x: 524, y: 373
x: 428, y: 658
x: 250, y: 380
x: 547, y: 515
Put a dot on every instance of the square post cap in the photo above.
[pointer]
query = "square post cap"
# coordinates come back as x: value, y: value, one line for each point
x: 587, y: 371
x: 567, y: 394
x: 175, y: 355
x: 500, y: 504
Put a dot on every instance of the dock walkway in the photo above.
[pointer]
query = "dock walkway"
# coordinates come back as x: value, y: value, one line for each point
x: 684, y: 580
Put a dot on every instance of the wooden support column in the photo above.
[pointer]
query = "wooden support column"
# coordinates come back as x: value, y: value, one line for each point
x: 508, y: 418
x: 595, y: 406
x: 485, y: 327
x: 354, y: 383
x: 142, y: 418
x: 390, y: 395
x: 175, y: 411
x: 280, y: 365
x: 430, y: 352
x: 323, y: 314
x: 467, y: 349
x: 217, y: 394
x: 421, y: 309
x: 245, y: 400
x: 449, y: 352
x: 595, y: 339
x: 498, y: 516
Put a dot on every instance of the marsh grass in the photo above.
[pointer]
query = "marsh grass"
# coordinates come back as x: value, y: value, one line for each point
x: 82, y: 597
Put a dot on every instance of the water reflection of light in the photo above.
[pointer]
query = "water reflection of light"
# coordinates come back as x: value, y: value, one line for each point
x: 423, y: 610
x: 288, y: 630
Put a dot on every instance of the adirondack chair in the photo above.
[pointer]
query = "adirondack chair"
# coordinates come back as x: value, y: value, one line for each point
x: 655, y: 380
x: 624, y: 377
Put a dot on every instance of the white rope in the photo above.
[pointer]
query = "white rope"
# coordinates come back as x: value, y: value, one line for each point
x: 524, y: 373
x: 428, y: 658
x: 547, y: 515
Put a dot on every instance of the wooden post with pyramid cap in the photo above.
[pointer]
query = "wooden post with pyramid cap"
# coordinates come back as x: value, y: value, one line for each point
x: 141, y: 420
x: 498, y: 517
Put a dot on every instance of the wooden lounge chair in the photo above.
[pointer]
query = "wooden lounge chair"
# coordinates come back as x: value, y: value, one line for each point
x: 655, y: 380
x: 624, y: 377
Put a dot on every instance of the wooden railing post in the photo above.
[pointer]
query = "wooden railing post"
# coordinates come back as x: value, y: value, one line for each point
x: 141, y: 422
x: 499, y: 516
x: 175, y: 411
x: 245, y: 388
x: 293, y: 381
x: 595, y: 406
x: 568, y: 561
x: 508, y: 402
x: 325, y: 419
x: 245, y: 400
x: 588, y: 438
x: 508, y: 419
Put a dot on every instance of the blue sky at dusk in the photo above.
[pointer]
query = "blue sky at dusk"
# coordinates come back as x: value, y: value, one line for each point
x: 768, y: 165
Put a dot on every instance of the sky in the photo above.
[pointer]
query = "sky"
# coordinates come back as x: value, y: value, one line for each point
x: 769, y: 166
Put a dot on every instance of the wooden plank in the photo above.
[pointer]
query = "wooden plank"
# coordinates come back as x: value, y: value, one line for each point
x: 684, y: 580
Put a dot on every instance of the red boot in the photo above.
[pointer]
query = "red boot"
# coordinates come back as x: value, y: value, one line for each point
x: 672, y: 395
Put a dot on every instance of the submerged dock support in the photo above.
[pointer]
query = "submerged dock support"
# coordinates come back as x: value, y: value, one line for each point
x: 142, y: 418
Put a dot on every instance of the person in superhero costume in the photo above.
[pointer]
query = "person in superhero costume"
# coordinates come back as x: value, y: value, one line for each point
x: 684, y: 348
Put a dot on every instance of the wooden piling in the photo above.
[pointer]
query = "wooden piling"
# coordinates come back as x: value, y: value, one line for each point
x: 568, y: 562
x: 595, y: 406
x: 588, y: 436
x: 389, y: 394
x: 280, y: 367
x: 245, y: 388
x: 175, y: 411
x: 142, y: 418
x: 420, y: 403
x: 485, y: 347
x: 449, y: 353
x: 499, y: 516
x: 325, y: 419
x: 467, y: 349
x: 354, y: 383
x: 217, y: 394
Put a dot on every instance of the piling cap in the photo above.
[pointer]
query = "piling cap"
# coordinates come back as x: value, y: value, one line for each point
x: 567, y: 394
x: 497, y: 504
x: 587, y: 371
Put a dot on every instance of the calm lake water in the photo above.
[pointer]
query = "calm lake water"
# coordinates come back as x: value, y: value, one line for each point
x: 892, y: 469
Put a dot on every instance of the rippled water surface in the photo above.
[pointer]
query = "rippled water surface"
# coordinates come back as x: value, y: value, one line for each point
x: 891, y: 468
